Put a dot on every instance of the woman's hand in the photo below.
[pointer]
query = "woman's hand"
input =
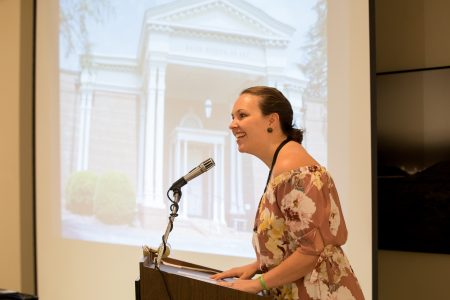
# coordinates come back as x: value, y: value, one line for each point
x: 243, y: 281
x: 242, y: 272
x: 246, y: 285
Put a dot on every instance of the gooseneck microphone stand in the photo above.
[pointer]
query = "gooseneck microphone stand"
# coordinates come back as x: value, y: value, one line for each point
x: 176, y: 190
x: 174, y: 213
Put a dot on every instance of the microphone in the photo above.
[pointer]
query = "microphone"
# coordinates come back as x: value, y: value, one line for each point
x: 200, y: 169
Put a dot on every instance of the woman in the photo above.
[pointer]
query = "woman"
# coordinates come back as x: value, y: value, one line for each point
x: 299, y: 226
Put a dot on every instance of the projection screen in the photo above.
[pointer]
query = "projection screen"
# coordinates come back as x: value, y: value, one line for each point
x: 131, y: 95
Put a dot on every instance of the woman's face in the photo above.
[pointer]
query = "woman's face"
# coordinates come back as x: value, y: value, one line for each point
x: 248, y: 124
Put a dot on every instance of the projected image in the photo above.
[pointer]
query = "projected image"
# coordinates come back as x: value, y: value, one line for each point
x: 146, y: 90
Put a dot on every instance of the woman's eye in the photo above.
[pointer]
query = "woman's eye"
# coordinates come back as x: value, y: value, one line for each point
x: 242, y: 116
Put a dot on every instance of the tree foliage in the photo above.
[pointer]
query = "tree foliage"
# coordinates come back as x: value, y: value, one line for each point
x: 74, y: 19
x: 315, y: 66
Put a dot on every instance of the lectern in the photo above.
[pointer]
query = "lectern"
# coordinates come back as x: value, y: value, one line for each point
x: 178, y: 280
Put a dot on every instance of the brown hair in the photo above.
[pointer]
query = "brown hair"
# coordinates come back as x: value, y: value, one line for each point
x: 273, y: 101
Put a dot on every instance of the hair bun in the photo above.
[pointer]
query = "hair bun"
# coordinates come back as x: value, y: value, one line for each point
x: 296, y: 135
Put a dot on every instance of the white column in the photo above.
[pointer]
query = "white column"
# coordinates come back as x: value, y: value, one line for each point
x: 240, y: 184
x: 176, y: 159
x: 216, y: 199
x: 219, y: 198
x: 182, y: 169
x: 221, y: 159
x: 159, y: 196
x: 85, y: 123
x: 237, y: 205
x: 79, y: 164
x: 87, y: 133
x: 150, y: 198
x: 141, y: 150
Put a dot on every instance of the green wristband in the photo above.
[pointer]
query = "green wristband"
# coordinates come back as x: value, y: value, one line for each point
x: 262, y: 282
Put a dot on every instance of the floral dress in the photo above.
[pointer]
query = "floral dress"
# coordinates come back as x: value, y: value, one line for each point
x: 297, y: 206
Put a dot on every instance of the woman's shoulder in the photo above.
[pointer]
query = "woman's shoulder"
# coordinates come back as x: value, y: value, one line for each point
x: 293, y: 157
x: 302, y: 178
x: 302, y: 172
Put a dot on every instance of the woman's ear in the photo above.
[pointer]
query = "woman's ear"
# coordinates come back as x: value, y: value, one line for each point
x: 274, y: 118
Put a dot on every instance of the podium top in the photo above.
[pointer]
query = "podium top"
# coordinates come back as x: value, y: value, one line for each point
x: 183, y: 280
x: 189, y: 266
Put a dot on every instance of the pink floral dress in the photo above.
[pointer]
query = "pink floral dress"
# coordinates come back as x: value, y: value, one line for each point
x: 298, y: 205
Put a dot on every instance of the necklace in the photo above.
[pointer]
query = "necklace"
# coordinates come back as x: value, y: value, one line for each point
x: 274, y: 159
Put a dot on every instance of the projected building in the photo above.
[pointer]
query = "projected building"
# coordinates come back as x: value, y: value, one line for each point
x: 157, y: 115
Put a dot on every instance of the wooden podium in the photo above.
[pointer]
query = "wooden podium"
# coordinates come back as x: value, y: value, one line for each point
x: 178, y: 280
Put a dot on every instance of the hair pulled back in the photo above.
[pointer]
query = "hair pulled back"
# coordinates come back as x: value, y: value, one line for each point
x: 273, y: 101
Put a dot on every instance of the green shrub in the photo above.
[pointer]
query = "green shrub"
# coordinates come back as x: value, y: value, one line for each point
x: 79, y: 192
x: 114, y: 200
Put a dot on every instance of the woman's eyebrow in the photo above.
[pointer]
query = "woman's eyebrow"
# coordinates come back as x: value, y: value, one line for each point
x: 236, y: 112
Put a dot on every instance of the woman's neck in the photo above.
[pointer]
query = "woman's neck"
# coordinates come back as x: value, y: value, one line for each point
x: 267, y: 156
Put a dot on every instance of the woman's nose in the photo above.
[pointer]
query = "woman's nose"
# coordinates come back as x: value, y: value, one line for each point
x: 232, y: 124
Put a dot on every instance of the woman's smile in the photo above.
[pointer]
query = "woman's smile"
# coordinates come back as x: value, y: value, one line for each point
x: 239, y: 135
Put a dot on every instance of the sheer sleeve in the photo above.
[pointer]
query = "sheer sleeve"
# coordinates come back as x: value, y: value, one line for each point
x: 303, y: 201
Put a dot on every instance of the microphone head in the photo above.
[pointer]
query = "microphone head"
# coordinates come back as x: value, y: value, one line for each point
x: 200, y: 169
x: 208, y: 164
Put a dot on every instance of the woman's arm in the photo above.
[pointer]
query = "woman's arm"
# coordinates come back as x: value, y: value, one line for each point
x: 296, y: 266
x: 293, y: 268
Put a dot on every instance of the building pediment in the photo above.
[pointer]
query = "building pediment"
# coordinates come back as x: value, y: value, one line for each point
x: 219, y: 17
